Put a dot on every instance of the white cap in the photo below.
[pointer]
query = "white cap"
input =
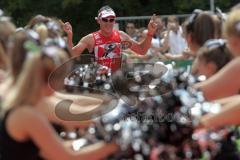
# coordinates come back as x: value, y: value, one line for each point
x: 106, y: 13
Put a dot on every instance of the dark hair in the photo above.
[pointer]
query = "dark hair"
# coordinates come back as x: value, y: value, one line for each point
x: 218, y: 26
x: 201, y: 26
x: 17, y: 52
x: 129, y: 22
x: 217, y: 53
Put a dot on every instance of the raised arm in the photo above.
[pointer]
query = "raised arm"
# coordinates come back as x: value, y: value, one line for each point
x: 142, y: 47
x: 67, y: 27
x: 85, y: 43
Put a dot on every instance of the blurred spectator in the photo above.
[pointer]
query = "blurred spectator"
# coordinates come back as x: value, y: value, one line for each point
x: 140, y: 34
x: 7, y: 28
x: 226, y: 81
x: 198, y: 28
x: 231, y: 31
x: 218, y: 26
x: 174, y: 41
x: 131, y: 30
x: 37, y: 139
x: 160, y: 29
x: 211, y: 58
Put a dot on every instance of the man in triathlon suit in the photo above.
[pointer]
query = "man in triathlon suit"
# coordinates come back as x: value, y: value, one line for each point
x: 106, y: 42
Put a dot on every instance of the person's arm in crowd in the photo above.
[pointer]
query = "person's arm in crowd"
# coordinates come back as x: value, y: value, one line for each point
x: 159, y: 55
x: 224, y: 101
x: 51, y: 146
x: 141, y: 47
x: 186, y: 54
x: 175, y: 57
x: 131, y: 54
x: 224, y: 83
x: 165, y: 43
x: 229, y: 115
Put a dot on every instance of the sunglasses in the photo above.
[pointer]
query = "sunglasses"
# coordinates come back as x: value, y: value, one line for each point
x: 108, y: 20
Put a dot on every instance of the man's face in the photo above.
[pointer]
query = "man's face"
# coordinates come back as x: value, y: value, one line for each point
x: 106, y: 24
x: 130, y: 28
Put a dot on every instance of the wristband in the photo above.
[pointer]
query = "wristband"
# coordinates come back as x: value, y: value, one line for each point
x: 150, y: 35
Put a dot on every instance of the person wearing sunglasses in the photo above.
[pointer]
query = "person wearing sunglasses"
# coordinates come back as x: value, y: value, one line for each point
x: 211, y: 58
x: 106, y: 42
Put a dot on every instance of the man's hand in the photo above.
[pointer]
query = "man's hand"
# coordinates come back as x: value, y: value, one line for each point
x: 67, y: 27
x: 152, y: 25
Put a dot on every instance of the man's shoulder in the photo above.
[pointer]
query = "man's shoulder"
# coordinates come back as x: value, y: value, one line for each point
x: 90, y: 35
x: 88, y: 38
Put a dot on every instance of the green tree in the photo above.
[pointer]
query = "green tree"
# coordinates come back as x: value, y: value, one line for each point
x: 81, y: 13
